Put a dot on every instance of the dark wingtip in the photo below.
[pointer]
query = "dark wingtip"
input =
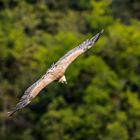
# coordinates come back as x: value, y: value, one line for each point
x: 97, y: 36
x: 9, y: 114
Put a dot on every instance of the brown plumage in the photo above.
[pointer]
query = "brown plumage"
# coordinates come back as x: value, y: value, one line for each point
x: 55, y: 73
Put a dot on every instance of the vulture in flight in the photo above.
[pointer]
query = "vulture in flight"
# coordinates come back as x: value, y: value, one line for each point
x: 55, y: 73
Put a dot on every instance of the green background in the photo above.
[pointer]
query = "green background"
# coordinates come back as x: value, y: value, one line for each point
x: 102, y: 98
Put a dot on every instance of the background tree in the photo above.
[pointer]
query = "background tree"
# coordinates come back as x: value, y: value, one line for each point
x: 101, y: 100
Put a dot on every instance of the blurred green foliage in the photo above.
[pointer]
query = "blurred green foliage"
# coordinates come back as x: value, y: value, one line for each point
x: 101, y: 100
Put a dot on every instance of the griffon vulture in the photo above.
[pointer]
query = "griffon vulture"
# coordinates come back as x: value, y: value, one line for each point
x: 55, y: 73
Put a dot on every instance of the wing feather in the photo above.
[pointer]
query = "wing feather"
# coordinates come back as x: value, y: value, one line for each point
x: 31, y: 93
x: 70, y: 56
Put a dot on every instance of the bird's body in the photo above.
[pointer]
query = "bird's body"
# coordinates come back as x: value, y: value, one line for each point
x: 55, y: 73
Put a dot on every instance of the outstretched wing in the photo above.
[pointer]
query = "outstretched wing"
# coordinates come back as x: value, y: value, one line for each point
x: 32, y: 92
x: 63, y: 62
x: 70, y: 56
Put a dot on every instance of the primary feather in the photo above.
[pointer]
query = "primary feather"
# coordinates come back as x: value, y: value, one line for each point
x: 31, y: 93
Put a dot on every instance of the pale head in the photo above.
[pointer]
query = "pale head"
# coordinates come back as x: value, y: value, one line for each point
x: 63, y: 80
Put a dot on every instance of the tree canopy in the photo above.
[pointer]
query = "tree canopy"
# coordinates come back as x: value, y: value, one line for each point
x: 101, y: 100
